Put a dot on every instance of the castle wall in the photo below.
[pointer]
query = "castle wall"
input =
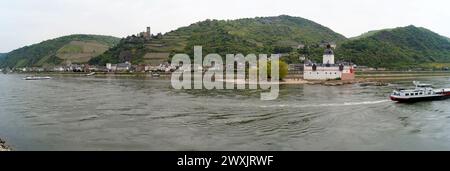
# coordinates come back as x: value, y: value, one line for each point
x: 348, y: 76
x: 321, y: 73
x: 328, y: 70
x: 328, y: 73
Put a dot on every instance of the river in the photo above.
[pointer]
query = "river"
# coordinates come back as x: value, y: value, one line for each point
x: 108, y: 113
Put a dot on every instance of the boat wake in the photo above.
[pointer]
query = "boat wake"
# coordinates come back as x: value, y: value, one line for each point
x: 328, y: 105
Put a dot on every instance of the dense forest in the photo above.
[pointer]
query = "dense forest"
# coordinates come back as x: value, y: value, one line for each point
x: 397, y: 48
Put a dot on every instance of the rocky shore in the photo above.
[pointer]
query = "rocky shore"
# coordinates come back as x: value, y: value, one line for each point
x: 3, y: 146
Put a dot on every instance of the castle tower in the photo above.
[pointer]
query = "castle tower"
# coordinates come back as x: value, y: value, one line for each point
x: 328, y: 56
x: 148, y: 33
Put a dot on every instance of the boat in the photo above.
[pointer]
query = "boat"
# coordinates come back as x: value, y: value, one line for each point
x: 156, y: 75
x: 422, y: 92
x: 37, y: 78
x: 91, y: 74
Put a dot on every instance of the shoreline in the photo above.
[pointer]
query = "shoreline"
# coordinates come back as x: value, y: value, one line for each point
x: 364, y: 82
x: 3, y: 146
x: 380, y: 78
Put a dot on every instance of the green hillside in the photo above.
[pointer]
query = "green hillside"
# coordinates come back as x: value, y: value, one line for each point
x: 397, y: 48
x: 70, y: 49
x: 401, y: 47
x: 279, y: 34
x: 368, y: 34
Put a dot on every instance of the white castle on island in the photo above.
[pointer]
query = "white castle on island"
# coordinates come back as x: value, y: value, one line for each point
x: 328, y: 70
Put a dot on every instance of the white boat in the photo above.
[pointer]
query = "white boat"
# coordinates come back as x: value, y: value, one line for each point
x: 422, y: 92
x: 37, y: 78
x: 91, y: 74
x: 156, y: 75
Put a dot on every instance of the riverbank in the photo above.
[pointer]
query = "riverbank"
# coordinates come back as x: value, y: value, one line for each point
x: 369, y: 79
x: 399, y: 75
x: 376, y: 78
x: 361, y: 74
x: 3, y: 146
x: 363, y: 82
x: 117, y: 74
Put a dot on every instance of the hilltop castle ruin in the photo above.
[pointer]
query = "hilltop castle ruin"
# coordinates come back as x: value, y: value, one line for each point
x: 147, y: 34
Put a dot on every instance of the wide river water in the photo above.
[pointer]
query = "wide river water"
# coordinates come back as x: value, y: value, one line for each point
x: 107, y: 113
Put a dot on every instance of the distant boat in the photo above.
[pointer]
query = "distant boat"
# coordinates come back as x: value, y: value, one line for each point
x: 156, y: 75
x: 91, y: 74
x: 37, y: 78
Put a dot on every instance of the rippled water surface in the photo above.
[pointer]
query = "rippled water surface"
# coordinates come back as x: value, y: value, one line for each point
x: 80, y: 113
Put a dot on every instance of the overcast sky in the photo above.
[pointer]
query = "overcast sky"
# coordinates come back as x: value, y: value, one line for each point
x: 25, y: 22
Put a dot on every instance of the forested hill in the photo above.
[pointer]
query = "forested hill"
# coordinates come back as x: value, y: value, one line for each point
x: 397, y: 48
x: 402, y: 47
x: 71, y: 49
x: 280, y: 34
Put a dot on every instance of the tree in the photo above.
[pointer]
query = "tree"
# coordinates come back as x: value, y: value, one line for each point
x: 283, y: 69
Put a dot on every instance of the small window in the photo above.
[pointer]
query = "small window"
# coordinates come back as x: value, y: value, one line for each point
x: 407, y: 94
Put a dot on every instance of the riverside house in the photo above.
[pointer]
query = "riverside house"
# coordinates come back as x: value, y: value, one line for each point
x: 121, y: 67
